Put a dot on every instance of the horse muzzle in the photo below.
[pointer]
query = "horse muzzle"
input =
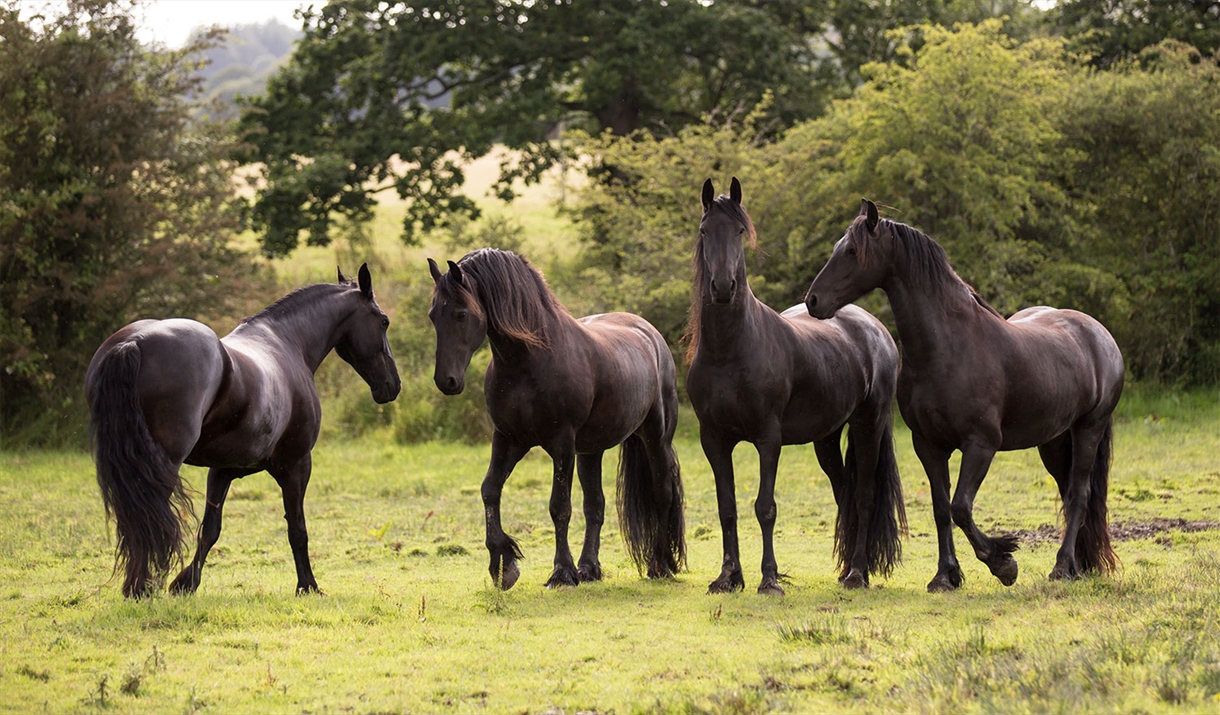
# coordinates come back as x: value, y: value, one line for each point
x: 723, y: 291
x: 818, y: 309
x: 450, y: 385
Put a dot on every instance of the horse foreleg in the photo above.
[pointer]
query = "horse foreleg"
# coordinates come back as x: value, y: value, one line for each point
x: 935, y: 463
x: 589, y: 470
x: 765, y: 510
x: 719, y: 454
x: 995, y: 552
x: 293, y: 480
x: 504, y: 551
x: 219, y: 481
x: 564, y: 457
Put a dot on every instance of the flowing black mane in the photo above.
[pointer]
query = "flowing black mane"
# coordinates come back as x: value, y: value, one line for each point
x: 298, y: 302
x: 926, y: 261
x: 737, y: 212
x: 510, y: 294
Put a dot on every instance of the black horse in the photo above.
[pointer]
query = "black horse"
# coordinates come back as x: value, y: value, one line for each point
x: 973, y: 381
x: 166, y: 392
x: 774, y: 379
x: 576, y: 388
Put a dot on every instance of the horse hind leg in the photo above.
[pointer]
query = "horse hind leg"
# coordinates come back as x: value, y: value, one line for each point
x: 830, y: 459
x: 1086, y: 539
x: 219, y: 481
x: 589, y: 471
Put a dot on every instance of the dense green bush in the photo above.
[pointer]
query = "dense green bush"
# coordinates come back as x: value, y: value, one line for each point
x: 1047, y: 183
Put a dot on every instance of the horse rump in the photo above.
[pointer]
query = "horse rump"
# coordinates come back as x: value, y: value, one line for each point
x: 140, y: 485
x: 887, y: 518
x: 650, y: 509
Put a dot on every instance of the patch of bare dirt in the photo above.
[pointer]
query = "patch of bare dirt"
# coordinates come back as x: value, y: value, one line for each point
x: 1046, y: 533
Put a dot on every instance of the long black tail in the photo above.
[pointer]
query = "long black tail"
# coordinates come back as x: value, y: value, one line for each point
x: 1093, y: 548
x: 140, y: 485
x: 650, y: 510
x: 888, y: 517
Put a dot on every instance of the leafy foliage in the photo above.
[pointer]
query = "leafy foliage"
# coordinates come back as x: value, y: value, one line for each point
x: 112, y: 204
x: 385, y: 96
x: 1115, y: 31
x: 1047, y: 183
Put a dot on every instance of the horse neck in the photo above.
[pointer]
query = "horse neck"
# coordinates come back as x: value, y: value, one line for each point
x: 725, y: 329
x: 512, y: 353
x: 930, y: 323
x: 310, y: 331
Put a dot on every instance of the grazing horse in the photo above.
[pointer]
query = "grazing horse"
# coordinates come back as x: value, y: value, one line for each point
x: 978, y: 383
x: 773, y: 379
x: 166, y: 392
x: 576, y: 388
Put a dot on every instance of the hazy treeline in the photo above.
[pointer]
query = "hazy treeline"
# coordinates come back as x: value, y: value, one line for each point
x: 1069, y: 157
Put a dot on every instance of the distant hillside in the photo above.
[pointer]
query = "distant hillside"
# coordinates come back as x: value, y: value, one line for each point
x: 242, y: 62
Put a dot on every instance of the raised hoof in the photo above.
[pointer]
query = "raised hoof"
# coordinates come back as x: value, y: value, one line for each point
x: 563, y: 576
x: 727, y: 583
x: 943, y: 583
x: 1006, y: 570
x: 589, y: 572
x: 770, y: 587
x: 508, y: 577
x: 855, y: 579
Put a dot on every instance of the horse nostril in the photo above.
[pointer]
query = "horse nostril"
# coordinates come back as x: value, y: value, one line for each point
x: 451, y: 382
x: 811, y: 301
x: 733, y: 285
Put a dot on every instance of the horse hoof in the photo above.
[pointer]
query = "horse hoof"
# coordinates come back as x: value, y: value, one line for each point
x: 1060, y: 573
x: 183, y: 585
x: 508, y: 577
x: 589, y: 572
x: 727, y: 583
x: 563, y: 576
x: 855, y: 579
x: 308, y: 589
x: 1006, y: 571
x: 770, y: 587
x: 942, y: 584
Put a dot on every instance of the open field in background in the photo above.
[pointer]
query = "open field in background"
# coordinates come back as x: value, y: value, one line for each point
x: 410, y: 621
x: 549, y: 236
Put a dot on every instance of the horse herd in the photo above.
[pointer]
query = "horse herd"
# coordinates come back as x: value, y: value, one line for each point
x: 167, y: 392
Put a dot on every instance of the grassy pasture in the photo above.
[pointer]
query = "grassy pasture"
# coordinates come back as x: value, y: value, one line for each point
x: 410, y: 621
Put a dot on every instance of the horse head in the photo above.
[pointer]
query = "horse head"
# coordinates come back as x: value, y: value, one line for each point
x: 363, y: 343
x: 720, y: 258
x: 858, y: 264
x: 460, y: 326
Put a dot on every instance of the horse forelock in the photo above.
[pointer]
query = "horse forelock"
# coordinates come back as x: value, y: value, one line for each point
x: 509, y: 293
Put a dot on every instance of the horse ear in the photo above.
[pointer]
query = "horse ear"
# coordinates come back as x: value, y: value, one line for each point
x: 366, y: 281
x: 735, y: 191
x: 434, y: 270
x: 868, y: 209
x: 709, y: 195
x: 455, y: 272
x: 341, y: 278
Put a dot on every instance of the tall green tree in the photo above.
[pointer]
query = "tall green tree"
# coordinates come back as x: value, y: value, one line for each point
x: 396, y: 96
x: 113, y: 204
x: 1115, y: 31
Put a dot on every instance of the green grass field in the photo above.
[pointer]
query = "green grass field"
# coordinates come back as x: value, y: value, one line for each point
x: 411, y: 623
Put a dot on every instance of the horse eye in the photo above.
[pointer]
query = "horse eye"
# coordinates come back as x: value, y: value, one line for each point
x: 385, y: 322
x: 460, y: 315
x: 851, y: 250
x: 741, y: 231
